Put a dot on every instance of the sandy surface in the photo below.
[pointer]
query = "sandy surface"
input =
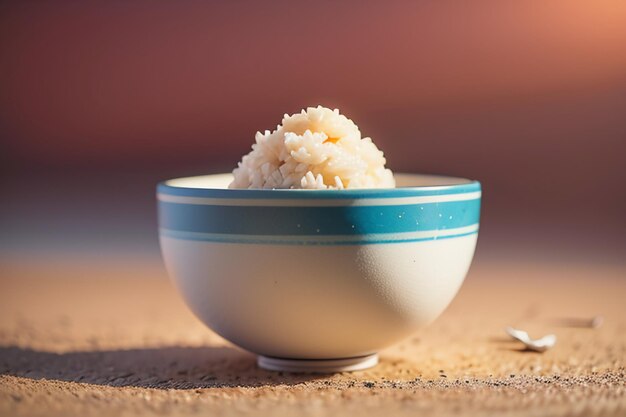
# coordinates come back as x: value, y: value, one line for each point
x: 113, y: 338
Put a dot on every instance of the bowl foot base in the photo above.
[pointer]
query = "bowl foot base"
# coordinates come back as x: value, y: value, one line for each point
x: 318, y: 365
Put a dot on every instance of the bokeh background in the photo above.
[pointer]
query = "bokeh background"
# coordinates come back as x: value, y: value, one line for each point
x: 100, y: 100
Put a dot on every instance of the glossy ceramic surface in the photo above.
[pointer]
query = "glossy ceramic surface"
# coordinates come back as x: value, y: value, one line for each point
x: 328, y: 274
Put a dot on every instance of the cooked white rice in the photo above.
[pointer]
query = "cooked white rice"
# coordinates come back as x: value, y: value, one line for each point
x: 315, y: 149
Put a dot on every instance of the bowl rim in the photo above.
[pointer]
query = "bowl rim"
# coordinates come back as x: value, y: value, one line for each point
x: 458, y: 185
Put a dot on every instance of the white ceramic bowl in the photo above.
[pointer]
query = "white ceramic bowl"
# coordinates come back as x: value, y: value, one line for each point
x: 318, y: 280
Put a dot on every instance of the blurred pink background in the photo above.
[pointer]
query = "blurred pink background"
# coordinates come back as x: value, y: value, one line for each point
x: 100, y: 100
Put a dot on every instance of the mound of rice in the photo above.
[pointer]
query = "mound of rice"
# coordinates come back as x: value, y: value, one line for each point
x: 316, y: 149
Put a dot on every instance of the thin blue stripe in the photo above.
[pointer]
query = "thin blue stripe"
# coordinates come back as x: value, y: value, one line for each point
x: 321, y: 221
x: 352, y: 194
x: 235, y: 239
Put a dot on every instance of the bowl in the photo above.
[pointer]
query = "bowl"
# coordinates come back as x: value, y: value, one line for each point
x: 318, y: 280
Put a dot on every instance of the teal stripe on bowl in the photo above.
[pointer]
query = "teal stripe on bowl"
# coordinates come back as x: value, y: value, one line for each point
x: 304, y: 240
x: 302, y: 221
